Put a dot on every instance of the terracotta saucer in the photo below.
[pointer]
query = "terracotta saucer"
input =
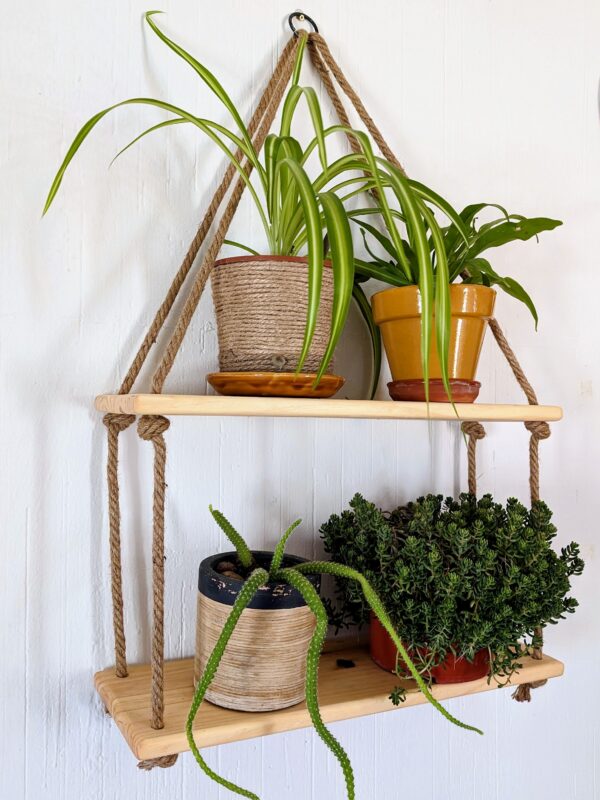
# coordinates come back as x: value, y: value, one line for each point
x: 414, y: 390
x: 274, y: 384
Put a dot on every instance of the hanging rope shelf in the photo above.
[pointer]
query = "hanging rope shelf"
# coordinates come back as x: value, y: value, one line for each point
x: 149, y: 703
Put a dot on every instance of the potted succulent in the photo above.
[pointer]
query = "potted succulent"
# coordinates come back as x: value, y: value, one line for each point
x: 283, y: 311
x: 261, y: 628
x: 458, y: 311
x: 466, y: 582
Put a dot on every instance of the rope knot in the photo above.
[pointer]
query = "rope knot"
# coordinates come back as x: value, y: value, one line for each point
x: 474, y: 429
x: 152, y: 426
x: 541, y: 430
x: 119, y: 422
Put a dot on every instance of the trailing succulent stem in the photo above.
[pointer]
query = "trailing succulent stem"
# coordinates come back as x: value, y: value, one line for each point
x: 295, y: 577
x: 314, y: 602
x: 257, y: 579
x: 344, y: 572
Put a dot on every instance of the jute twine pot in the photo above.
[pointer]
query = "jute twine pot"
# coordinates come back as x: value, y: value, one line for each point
x: 264, y: 664
x: 260, y: 304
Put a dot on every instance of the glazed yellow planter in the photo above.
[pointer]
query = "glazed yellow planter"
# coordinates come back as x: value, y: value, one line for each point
x: 398, y: 313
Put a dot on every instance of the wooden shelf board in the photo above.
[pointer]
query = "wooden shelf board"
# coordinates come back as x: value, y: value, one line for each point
x: 215, y: 406
x: 343, y: 693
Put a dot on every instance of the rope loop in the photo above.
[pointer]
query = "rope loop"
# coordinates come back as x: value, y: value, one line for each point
x: 541, y: 430
x: 118, y: 422
x: 474, y: 429
x: 152, y: 426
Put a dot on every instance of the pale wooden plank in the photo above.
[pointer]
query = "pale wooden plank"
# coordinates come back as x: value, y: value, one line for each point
x: 212, y: 406
x: 344, y: 694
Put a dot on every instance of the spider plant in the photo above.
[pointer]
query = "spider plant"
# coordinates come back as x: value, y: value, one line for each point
x: 295, y: 576
x: 300, y: 213
x: 457, y: 254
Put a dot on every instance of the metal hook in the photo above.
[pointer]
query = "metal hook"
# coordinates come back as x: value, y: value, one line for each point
x: 302, y: 17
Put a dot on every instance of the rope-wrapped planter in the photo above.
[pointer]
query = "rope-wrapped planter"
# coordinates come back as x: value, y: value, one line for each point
x: 264, y: 665
x: 261, y: 304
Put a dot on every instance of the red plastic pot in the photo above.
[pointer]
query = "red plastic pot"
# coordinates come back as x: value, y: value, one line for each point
x: 451, y: 670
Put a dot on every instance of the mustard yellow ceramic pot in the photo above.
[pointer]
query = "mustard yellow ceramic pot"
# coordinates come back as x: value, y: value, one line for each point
x: 397, y: 311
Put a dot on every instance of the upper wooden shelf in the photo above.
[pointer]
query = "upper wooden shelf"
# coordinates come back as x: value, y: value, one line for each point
x: 216, y: 406
x: 343, y: 694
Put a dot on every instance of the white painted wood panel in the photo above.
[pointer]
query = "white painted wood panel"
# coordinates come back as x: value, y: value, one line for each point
x: 486, y: 101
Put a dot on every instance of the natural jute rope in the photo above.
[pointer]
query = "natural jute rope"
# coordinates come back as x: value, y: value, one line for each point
x: 538, y: 431
x: 152, y: 428
x: 115, y: 423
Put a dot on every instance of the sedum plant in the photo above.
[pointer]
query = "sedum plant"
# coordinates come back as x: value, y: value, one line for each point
x: 295, y: 576
x: 456, y: 575
x: 301, y: 213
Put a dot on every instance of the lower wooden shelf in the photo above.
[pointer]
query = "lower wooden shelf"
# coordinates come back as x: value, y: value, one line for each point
x: 344, y: 693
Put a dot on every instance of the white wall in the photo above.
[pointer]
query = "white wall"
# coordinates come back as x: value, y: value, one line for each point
x: 486, y: 101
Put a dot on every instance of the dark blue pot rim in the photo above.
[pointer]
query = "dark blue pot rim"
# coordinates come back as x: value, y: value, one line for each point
x: 274, y: 596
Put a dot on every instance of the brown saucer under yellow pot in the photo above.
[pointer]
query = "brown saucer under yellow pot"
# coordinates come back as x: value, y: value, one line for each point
x: 274, y: 384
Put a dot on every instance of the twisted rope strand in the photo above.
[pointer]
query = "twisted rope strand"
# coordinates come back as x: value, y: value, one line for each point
x: 162, y: 761
x: 115, y: 423
x: 151, y: 429
x: 368, y: 121
x: 475, y: 431
x: 538, y: 431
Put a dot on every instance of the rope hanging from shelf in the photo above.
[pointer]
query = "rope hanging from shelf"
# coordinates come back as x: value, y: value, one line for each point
x: 537, y: 431
x: 153, y: 427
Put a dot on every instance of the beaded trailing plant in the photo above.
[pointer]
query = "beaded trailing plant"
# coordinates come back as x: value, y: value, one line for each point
x: 295, y: 577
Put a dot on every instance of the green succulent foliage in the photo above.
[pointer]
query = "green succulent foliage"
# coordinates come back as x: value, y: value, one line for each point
x: 295, y: 576
x: 398, y: 695
x: 456, y: 575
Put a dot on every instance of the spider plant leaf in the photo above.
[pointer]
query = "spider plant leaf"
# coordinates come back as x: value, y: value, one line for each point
x: 287, y: 203
x: 374, y: 333
x: 342, y: 264
x: 366, y: 212
x: 418, y: 240
x: 206, y: 126
x: 242, y: 549
x: 299, y: 60
x: 442, y: 316
x: 165, y: 124
x: 375, y: 172
x: 206, y: 75
x: 312, y: 219
x: 278, y: 554
x: 314, y: 107
x: 437, y: 200
x: 241, y: 247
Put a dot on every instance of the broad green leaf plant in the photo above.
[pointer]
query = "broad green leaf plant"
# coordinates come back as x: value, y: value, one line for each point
x: 295, y: 576
x: 455, y: 253
x: 301, y: 214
